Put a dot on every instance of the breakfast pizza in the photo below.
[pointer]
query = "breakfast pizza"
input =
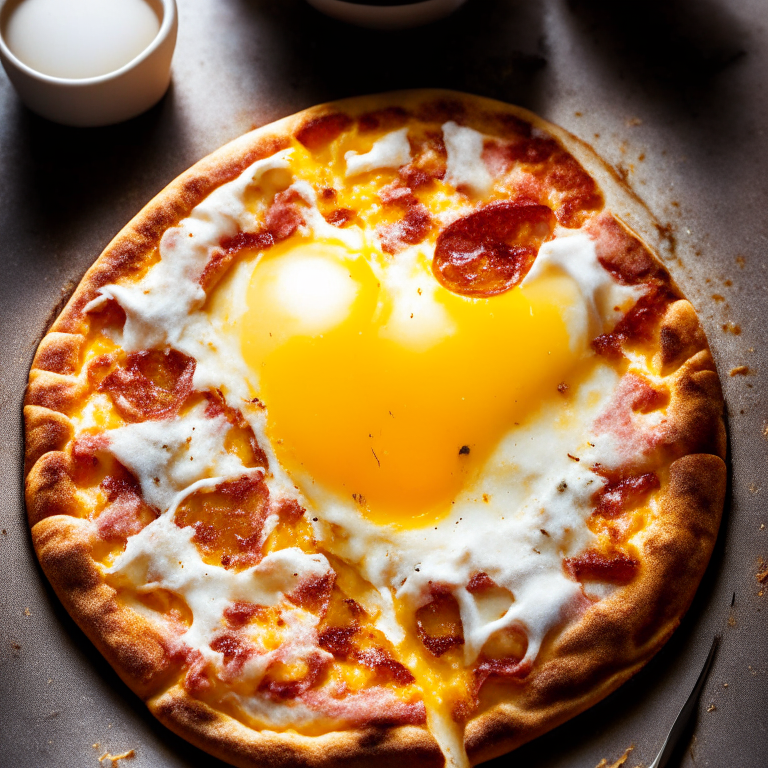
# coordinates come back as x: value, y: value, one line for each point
x: 378, y: 435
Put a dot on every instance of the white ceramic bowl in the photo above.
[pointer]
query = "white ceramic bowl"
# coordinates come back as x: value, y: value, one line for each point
x: 103, y: 100
x: 387, y: 16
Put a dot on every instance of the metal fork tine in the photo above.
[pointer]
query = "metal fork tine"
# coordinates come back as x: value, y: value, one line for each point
x: 685, y: 713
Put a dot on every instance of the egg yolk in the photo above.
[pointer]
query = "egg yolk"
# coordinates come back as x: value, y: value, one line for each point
x: 386, y: 388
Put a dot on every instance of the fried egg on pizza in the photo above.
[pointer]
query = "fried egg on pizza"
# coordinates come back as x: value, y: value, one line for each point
x: 377, y: 435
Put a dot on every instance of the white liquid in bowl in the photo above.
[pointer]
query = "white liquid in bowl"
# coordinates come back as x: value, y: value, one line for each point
x: 79, y: 38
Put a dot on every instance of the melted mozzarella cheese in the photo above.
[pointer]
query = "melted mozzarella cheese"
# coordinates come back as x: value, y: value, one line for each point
x: 391, y: 151
x: 603, y: 299
x: 157, y: 307
x: 163, y: 556
x: 168, y: 457
x: 465, y: 167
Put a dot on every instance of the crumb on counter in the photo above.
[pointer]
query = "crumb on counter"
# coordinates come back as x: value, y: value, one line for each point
x: 114, y: 759
x: 620, y: 762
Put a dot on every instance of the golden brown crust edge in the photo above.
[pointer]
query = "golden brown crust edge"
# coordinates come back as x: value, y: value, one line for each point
x: 129, y: 642
x: 224, y: 737
x: 584, y: 670
x: 619, y: 635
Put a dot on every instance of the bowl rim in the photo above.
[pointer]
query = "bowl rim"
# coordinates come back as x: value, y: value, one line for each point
x: 376, y: 5
x: 167, y: 24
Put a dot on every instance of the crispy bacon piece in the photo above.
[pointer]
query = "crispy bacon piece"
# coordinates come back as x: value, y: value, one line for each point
x: 197, y: 680
x: 374, y: 707
x: 429, y: 161
x: 549, y: 175
x: 387, y: 668
x: 239, y: 613
x: 438, y: 624
x: 126, y: 513
x: 412, y: 228
x: 84, y: 453
x: 621, y: 253
x: 491, y: 250
x: 503, y: 659
x: 257, y: 241
x: 229, y: 521
x: 623, y: 492
x: 229, y: 247
x: 151, y: 384
x: 340, y: 217
x: 284, y: 215
x: 613, y: 567
x: 290, y: 689
x: 579, y: 195
x: 235, y: 649
x: 480, y: 582
x: 508, y: 669
x: 572, y: 190
x: 636, y: 394
x: 638, y: 324
x: 320, y: 131
x: 217, y: 406
x: 288, y: 510
x: 634, y: 437
x: 314, y: 594
x: 338, y: 640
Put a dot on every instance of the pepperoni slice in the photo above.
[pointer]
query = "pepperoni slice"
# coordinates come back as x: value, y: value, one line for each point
x: 491, y: 250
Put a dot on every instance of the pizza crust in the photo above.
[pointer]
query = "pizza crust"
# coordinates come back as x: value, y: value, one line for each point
x: 229, y: 740
x: 589, y: 660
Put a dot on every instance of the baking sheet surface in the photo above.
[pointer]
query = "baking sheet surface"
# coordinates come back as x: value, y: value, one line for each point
x: 672, y: 93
